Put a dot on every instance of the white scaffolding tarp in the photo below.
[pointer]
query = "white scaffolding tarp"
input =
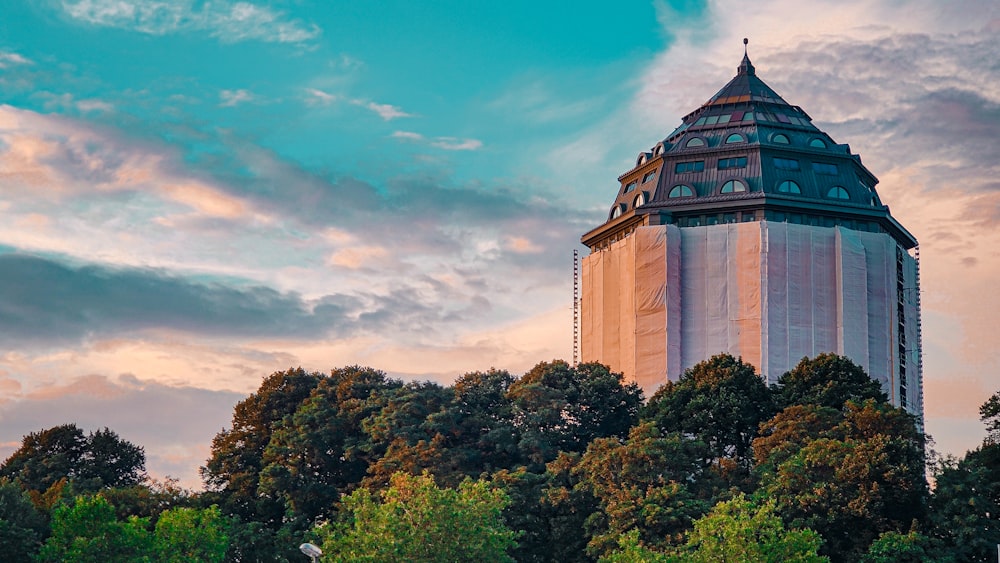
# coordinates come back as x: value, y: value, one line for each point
x: 663, y: 299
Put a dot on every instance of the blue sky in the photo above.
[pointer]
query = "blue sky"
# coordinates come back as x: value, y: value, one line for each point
x: 195, y: 194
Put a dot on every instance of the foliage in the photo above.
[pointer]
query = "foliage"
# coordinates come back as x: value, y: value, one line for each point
x: 644, y: 484
x: 963, y: 510
x: 190, y: 534
x: 631, y: 550
x: 989, y: 413
x: 91, y: 462
x: 737, y: 531
x: 828, y: 380
x: 850, y: 482
x: 558, y: 407
x: 323, y: 450
x: 22, y: 527
x: 722, y: 401
x: 894, y: 547
x: 233, y: 470
x: 87, y: 531
x: 415, y: 520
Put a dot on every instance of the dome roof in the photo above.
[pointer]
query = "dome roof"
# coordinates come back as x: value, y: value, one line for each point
x: 747, y: 152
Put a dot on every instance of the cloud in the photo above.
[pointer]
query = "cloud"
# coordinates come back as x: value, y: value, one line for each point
x: 231, y: 98
x: 456, y: 144
x: 9, y: 59
x: 46, y: 302
x: 446, y: 143
x: 385, y: 111
x: 228, y: 21
x: 318, y: 97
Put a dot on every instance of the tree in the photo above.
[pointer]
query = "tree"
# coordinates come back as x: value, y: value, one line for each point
x: 191, y: 534
x: 737, y: 531
x: 91, y: 462
x: 894, y: 547
x: 22, y: 527
x: 322, y: 450
x: 989, y: 413
x: 721, y: 402
x: 47, y: 456
x: 414, y: 520
x: 649, y: 483
x: 827, y: 380
x: 233, y: 470
x: 477, y: 427
x: 558, y: 407
x: 851, y: 482
x: 88, y: 532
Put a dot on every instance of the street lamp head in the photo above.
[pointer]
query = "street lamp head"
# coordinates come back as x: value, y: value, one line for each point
x: 310, y: 550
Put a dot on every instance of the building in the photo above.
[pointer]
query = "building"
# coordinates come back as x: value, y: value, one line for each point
x: 750, y: 231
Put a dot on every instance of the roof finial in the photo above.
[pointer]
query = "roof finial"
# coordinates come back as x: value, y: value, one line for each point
x: 746, y: 67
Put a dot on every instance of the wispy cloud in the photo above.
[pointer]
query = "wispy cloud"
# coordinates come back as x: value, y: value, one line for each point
x: 224, y: 19
x: 9, y: 59
x: 446, y: 143
x: 317, y: 97
x: 231, y: 98
x: 385, y: 111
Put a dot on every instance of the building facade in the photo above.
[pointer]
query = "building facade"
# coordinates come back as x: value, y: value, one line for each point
x: 749, y: 231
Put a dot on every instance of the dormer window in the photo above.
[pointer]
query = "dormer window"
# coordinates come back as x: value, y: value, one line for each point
x: 733, y: 186
x: 648, y: 176
x: 617, y: 211
x: 630, y: 187
x: 695, y: 142
x: 789, y: 187
x: 639, y: 199
x: 817, y: 143
x: 735, y: 138
x: 838, y: 192
x: 680, y: 191
x: 780, y: 139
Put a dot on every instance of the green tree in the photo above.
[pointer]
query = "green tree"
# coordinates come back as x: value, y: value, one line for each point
x: 477, y: 427
x: 989, y: 413
x: 631, y: 550
x: 721, y: 402
x: 190, y: 534
x: 649, y: 483
x: 22, y: 527
x: 88, y: 531
x: 414, y: 520
x: 894, y: 547
x: 853, y: 481
x: 322, y: 450
x: 558, y: 407
x: 233, y: 470
x: 827, y: 380
x: 47, y: 456
x: 90, y: 462
x: 737, y: 531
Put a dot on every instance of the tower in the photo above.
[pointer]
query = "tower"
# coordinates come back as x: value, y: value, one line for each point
x: 750, y: 231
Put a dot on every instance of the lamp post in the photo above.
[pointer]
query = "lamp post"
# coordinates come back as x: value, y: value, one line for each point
x: 311, y: 550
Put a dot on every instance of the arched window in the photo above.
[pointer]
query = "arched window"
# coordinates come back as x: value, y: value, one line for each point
x: 639, y: 199
x: 780, y: 139
x: 616, y: 211
x: 695, y: 142
x: 735, y: 138
x: 838, y: 192
x: 733, y: 186
x: 680, y: 191
x: 789, y: 187
x: 818, y: 143
x: 641, y: 160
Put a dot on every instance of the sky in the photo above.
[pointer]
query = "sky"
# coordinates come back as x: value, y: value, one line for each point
x: 195, y: 194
